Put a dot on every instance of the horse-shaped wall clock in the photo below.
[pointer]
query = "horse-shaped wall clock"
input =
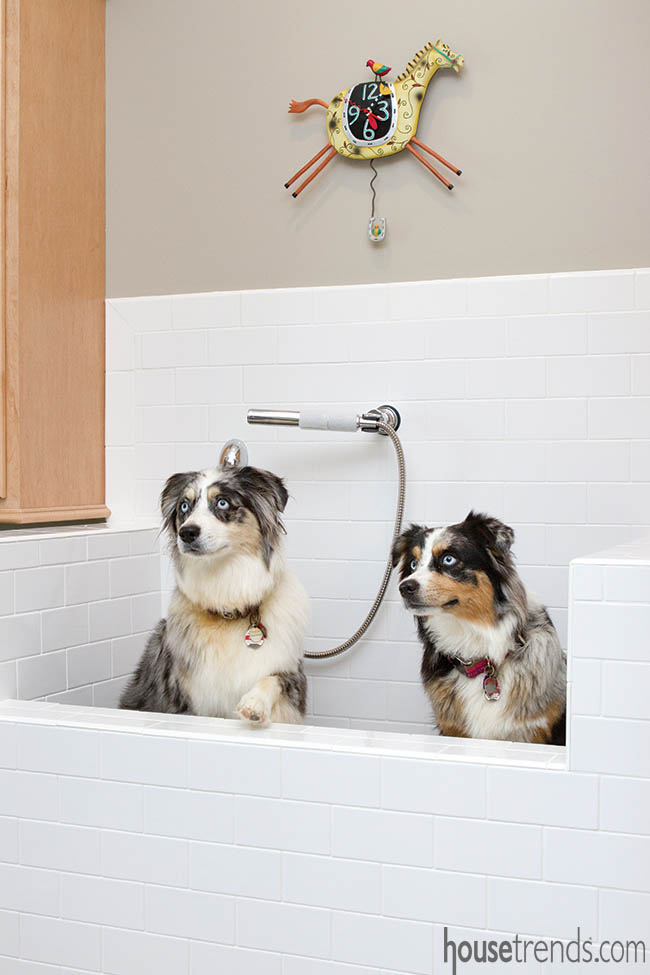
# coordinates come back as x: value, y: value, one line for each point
x: 375, y: 119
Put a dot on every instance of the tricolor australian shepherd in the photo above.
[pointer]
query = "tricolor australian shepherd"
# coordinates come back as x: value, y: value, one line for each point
x: 232, y: 643
x: 492, y: 664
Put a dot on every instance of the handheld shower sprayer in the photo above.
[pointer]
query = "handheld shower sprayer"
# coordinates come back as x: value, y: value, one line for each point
x: 316, y: 420
x: 384, y: 420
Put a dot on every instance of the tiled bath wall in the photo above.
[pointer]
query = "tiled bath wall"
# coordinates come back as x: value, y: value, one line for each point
x: 609, y: 670
x: 130, y: 843
x: 528, y: 397
x: 75, y: 608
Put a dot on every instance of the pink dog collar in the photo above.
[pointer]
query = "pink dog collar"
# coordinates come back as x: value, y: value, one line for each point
x: 478, y: 668
x: 491, y: 689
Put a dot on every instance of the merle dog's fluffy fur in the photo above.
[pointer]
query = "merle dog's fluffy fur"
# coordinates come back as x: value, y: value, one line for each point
x: 224, y: 529
x: 461, y: 584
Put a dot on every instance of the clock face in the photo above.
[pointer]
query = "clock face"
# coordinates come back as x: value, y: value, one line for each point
x: 369, y: 114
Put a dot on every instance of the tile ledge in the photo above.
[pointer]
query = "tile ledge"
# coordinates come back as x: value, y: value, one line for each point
x: 636, y: 552
x: 591, y: 273
x: 342, y: 740
x: 74, y: 531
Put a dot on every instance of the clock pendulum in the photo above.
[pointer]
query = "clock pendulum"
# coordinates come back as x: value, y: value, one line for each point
x: 376, y: 225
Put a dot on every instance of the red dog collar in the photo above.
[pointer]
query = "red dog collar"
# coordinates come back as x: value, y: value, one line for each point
x: 485, y: 665
x: 477, y: 668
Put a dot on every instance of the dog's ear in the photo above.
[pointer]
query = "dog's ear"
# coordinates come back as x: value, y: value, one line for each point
x: 399, y: 548
x: 276, y: 486
x: 266, y: 496
x: 409, y: 538
x: 172, y: 492
x: 499, y: 537
x: 257, y: 481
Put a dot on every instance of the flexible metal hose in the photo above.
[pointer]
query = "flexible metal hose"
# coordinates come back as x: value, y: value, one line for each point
x: 401, y: 491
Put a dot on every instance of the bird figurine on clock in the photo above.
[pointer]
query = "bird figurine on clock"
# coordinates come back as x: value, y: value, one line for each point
x: 376, y: 118
x: 379, y: 70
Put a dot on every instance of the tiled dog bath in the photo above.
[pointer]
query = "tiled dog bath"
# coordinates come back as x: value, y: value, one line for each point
x: 134, y: 842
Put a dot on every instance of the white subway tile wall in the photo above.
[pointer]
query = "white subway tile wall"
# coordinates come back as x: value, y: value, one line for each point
x: 609, y: 671
x: 75, y: 611
x: 511, y: 402
x: 526, y: 396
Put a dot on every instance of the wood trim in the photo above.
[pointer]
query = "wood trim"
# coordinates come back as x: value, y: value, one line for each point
x: 3, y: 252
x: 10, y: 255
x: 44, y: 516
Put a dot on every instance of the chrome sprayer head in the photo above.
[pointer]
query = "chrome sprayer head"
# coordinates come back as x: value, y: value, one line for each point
x: 319, y: 420
x: 234, y: 453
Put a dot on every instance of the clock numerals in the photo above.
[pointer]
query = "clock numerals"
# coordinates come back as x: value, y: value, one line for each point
x: 382, y: 107
x: 369, y: 117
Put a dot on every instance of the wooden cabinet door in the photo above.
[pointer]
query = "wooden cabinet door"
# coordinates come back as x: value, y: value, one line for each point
x: 53, y: 261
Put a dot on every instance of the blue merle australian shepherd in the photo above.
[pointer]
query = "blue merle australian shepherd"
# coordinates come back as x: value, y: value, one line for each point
x: 232, y: 642
x: 492, y: 664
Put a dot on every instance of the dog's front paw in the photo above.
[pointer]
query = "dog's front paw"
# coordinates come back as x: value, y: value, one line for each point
x: 254, y: 710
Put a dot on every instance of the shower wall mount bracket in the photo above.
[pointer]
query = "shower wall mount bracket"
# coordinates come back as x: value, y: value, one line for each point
x: 386, y: 413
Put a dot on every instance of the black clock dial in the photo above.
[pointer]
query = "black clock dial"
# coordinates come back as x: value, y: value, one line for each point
x: 369, y: 114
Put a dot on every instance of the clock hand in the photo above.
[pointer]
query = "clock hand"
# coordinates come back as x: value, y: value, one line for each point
x: 370, y: 115
x: 372, y: 118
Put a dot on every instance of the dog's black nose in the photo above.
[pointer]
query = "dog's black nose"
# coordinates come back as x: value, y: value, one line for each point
x: 408, y: 587
x: 189, y: 533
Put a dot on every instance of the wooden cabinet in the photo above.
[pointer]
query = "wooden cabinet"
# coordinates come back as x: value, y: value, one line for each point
x: 52, y: 269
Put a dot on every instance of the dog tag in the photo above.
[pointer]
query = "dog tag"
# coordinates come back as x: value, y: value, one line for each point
x: 255, y: 636
x: 491, y: 688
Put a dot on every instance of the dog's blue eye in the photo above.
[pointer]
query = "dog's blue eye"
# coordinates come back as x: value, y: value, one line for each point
x: 223, y: 504
x: 185, y: 507
x: 449, y: 560
x: 414, y: 564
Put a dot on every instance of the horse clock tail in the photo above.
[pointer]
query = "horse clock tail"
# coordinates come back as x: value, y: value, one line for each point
x: 297, y: 108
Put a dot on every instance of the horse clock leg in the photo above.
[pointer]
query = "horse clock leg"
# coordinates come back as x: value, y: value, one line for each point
x: 431, y: 169
x: 328, y: 158
x: 445, y: 162
x: 307, y: 166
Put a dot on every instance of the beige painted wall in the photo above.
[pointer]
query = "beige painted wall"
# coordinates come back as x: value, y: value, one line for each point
x: 549, y: 123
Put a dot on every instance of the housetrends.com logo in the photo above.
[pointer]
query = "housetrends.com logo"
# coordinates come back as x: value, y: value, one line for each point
x: 549, y: 951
